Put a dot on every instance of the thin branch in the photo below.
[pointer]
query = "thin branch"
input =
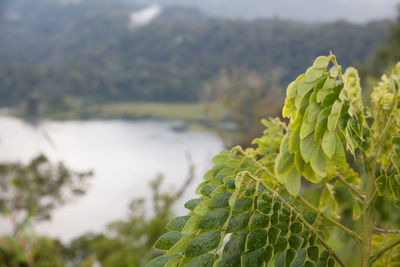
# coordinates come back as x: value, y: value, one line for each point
x: 379, y: 252
x: 301, y: 219
x: 350, y: 187
x: 329, y: 219
x: 386, y: 231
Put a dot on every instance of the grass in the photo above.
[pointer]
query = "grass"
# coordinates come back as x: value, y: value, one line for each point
x: 192, y: 112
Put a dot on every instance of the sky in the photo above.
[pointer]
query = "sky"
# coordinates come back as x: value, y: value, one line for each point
x: 304, y: 10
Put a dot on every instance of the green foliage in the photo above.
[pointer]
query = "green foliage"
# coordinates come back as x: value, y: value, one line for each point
x: 273, y: 203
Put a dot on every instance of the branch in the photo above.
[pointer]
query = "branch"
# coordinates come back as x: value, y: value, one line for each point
x: 350, y: 187
x: 379, y: 252
x: 386, y: 231
x: 300, y: 218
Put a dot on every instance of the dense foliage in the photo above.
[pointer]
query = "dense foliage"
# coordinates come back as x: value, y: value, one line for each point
x: 254, y: 206
x: 61, y: 57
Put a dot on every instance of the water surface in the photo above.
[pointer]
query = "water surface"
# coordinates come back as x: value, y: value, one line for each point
x: 124, y: 155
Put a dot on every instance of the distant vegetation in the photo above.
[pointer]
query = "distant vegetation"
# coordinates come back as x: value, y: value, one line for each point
x: 57, y: 57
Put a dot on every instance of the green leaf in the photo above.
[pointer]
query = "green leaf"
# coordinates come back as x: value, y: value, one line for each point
x: 321, y: 125
x: 203, y: 207
x: 284, y: 162
x: 334, y: 116
x: 329, y: 143
x: 299, y: 162
x: 313, y: 74
x: 238, y: 222
x: 321, y: 62
x: 380, y: 185
x: 296, y: 228
x: 243, y: 204
x: 205, y: 260
x: 294, y: 141
x: 203, y: 243
x: 220, y: 158
x: 290, y: 256
x: 208, y: 189
x: 256, y: 239
x: 317, y: 161
x: 281, y: 244
x: 309, y: 173
x: 313, y: 112
x: 259, y: 220
x: 307, y: 146
x: 213, y: 219
x: 253, y: 258
x: 295, y: 241
x: 264, y: 206
x: 293, y: 182
x: 180, y: 246
x: 233, y: 250
x: 273, y: 234
x: 291, y: 90
x: 221, y: 200
x: 192, y: 225
x: 160, y: 261
x: 307, y: 128
x: 313, y: 253
x: 167, y: 240
x: 396, y: 140
x: 178, y: 223
x: 192, y: 204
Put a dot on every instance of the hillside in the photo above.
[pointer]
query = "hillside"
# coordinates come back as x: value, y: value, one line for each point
x: 57, y: 56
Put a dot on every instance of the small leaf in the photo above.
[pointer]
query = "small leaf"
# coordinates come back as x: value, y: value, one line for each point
x: 273, y: 234
x: 220, y: 158
x: 313, y: 74
x: 321, y: 62
x: 334, y: 116
x: 295, y: 241
x: 203, y: 243
x: 321, y: 125
x: 192, y: 204
x: 313, y: 253
x: 203, y: 207
x: 329, y: 143
x: 313, y: 112
x: 160, y: 261
x: 208, y: 189
x: 290, y: 256
x: 238, y: 222
x: 380, y: 185
x: 307, y: 146
x: 233, y: 250
x: 259, y: 220
x: 307, y: 128
x: 256, y: 239
x: 243, y: 204
x: 291, y: 90
x: 213, y: 219
x: 205, y: 260
x: 294, y: 141
x: 178, y: 223
x: 192, y: 225
x: 317, y: 162
x: 180, y: 246
x: 167, y: 240
x: 293, y: 182
x: 296, y: 228
x: 221, y: 200
x: 253, y: 258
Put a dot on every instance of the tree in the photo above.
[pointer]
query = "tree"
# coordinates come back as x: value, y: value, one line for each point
x: 31, y: 192
x: 278, y: 202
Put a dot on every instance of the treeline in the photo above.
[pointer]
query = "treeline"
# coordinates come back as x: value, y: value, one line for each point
x: 56, y: 57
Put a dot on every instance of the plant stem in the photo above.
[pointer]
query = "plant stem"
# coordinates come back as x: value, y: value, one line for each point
x: 379, y: 252
x: 350, y: 187
x: 329, y: 219
x: 368, y: 208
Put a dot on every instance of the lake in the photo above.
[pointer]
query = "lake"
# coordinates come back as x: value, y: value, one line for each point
x: 124, y: 155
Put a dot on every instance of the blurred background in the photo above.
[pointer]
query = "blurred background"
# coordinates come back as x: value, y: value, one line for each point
x: 110, y: 110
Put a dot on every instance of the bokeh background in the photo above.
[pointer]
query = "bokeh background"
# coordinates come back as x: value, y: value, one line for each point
x: 112, y: 109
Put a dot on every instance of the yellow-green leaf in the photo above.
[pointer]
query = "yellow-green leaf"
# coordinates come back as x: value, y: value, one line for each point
x: 329, y: 143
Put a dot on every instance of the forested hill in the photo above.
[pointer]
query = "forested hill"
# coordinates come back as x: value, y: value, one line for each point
x: 60, y: 54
